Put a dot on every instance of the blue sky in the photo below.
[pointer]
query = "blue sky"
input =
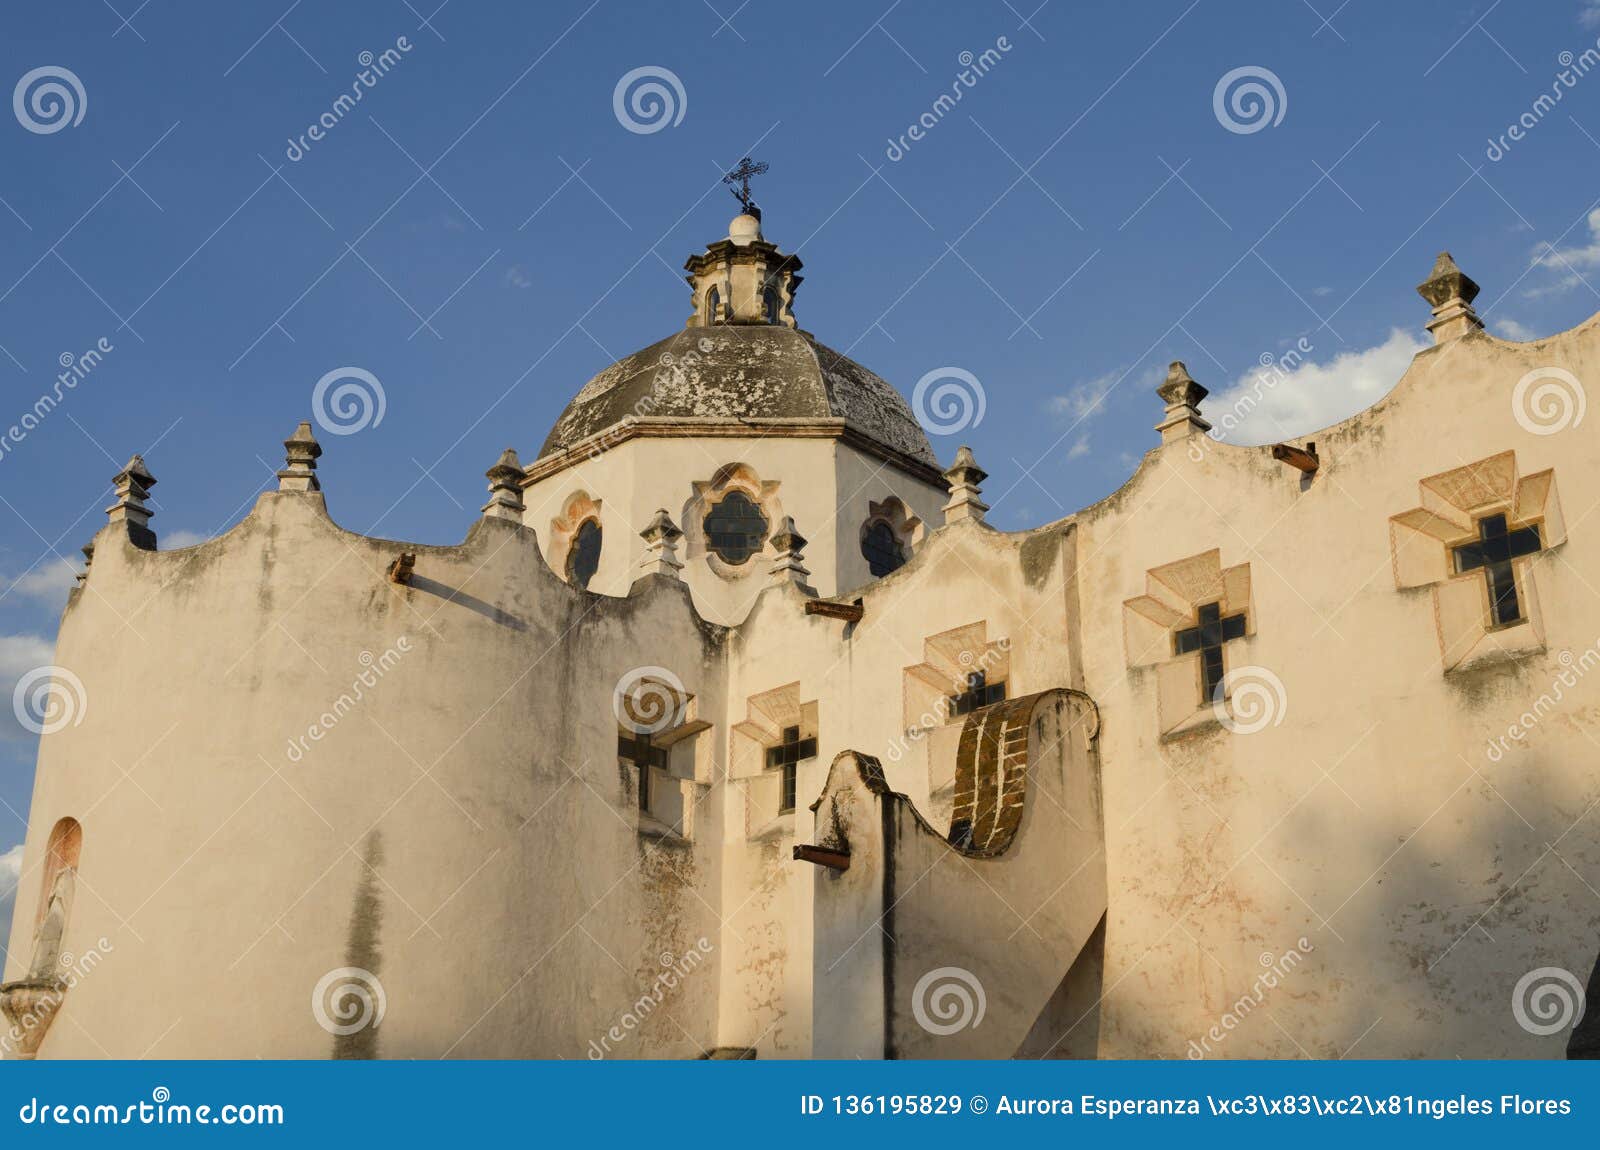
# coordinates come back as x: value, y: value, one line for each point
x: 1080, y: 218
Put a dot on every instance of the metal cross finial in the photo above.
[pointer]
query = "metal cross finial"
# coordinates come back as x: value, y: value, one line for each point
x: 739, y: 181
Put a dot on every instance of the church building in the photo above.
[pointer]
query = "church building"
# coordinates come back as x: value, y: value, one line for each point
x: 732, y: 729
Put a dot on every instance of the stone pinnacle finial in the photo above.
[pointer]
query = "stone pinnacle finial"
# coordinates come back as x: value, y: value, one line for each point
x: 661, y: 537
x: 965, y: 478
x: 789, y: 564
x: 301, y: 452
x: 1182, y: 396
x: 133, y: 484
x: 1450, y: 292
x: 505, y: 488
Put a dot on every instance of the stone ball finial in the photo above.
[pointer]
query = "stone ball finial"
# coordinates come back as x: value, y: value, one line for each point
x: 744, y: 229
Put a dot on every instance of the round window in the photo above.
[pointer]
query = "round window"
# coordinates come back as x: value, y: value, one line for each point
x: 735, y: 528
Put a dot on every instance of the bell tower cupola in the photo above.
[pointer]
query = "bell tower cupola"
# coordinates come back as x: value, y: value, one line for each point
x: 743, y: 279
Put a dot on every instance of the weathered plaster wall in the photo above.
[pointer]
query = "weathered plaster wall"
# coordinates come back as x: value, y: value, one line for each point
x: 510, y: 906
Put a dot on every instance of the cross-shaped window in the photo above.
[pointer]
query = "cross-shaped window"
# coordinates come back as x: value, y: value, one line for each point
x: 1493, y: 551
x: 1213, y: 629
x: 979, y: 693
x: 786, y: 756
x: 639, y: 751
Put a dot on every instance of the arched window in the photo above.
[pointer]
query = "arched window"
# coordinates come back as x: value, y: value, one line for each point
x: 713, y: 305
x: 882, y: 548
x: 735, y: 528
x: 55, y: 896
x: 771, y: 304
x: 583, y: 559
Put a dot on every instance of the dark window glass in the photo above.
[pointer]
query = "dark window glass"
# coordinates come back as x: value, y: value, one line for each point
x: 979, y: 693
x: 771, y: 304
x: 638, y: 750
x: 713, y: 305
x: 786, y: 757
x: 584, y: 558
x: 735, y: 528
x: 1207, y: 637
x: 882, y: 549
x: 1493, y: 551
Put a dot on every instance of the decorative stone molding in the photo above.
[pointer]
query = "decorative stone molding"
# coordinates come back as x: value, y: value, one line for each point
x: 964, y: 478
x: 1450, y: 292
x: 579, y: 508
x: 948, y: 659
x: 1182, y: 396
x: 766, y: 716
x: 661, y: 537
x: 708, y: 493
x: 505, y: 488
x: 908, y: 530
x: 133, y: 484
x: 742, y: 269
x: 1422, y: 542
x: 31, y: 1006
x: 301, y: 452
x: 788, y: 567
x: 1174, y: 595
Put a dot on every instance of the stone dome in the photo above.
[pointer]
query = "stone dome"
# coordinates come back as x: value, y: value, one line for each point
x: 760, y: 374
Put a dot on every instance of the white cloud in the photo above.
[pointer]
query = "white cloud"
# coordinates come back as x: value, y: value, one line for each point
x: 1268, y: 404
x: 10, y: 876
x: 19, y: 654
x: 1590, y: 16
x: 1507, y: 328
x: 1569, y: 264
x: 1079, y: 448
x: 48, y: 581
x: 173, y: 540
x: 516, y: 276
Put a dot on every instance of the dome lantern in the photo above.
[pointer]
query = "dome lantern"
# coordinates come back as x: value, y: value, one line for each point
x: 743, y: 279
